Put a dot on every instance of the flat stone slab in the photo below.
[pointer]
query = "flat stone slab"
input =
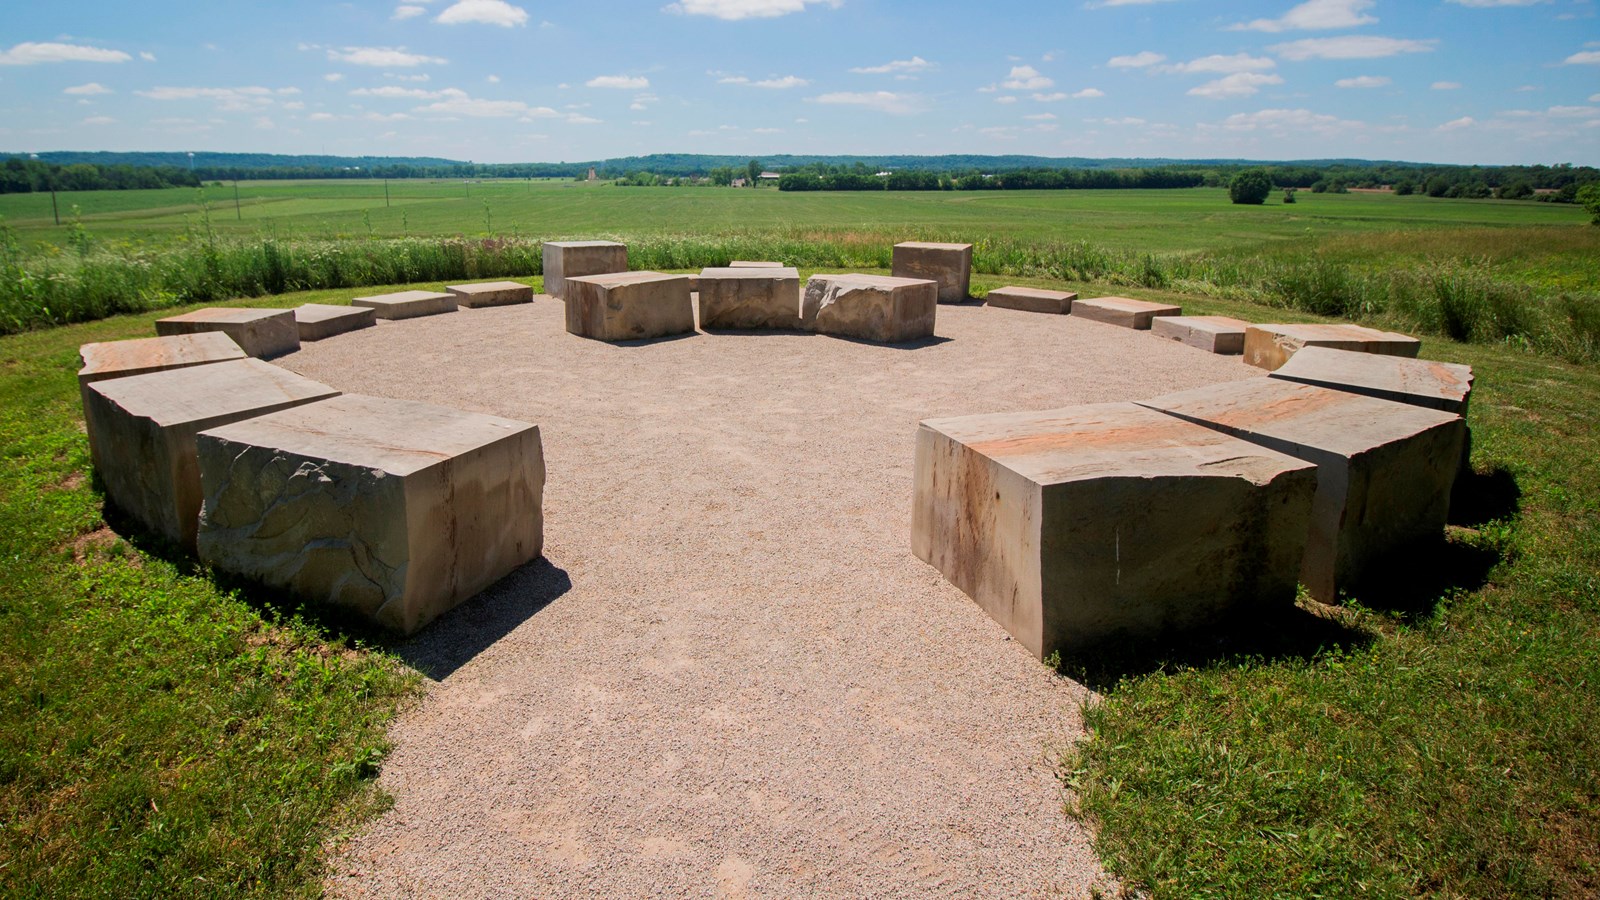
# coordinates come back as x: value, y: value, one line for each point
x: 408, y: 304
x: 395, y: 509
x: 877, y: 308
x: 749, y: 298
x: 1136, y: 314
x: 1384, y: 470
x: 755, y: 264
x: 1420, y: 382
x: 262, y: 333
x: 1214, y: 334
x: 629, y: 306
x: 1069, y: 526
x: 1270, y: 346
x: 572, y: 259
x: 317, y: 321
x: 948, y: 264
x: 1032, y: 300
x: 491, y: 293
x: 141, y: 356
x: 142, y: 432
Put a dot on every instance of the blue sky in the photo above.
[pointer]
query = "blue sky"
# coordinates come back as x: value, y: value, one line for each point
x: 1465, y: 81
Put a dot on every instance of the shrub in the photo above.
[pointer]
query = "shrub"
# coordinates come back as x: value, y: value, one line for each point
x: 1589, y: 196
x: 1250, y: 186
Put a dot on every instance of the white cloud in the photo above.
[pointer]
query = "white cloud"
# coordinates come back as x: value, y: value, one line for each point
x: 99, y: 120
x: 333, y: 76
x: 734, y: 10
x: 1585, y: 58
x: 1454, y: 124
x: 493, y: 79
x: 419, y: 77
x: 1026, y: 78
x: 1315, y: 15
x: 483, y: 12
x: 1088, y: 94
x: 393, y: 92
x: 1351, y: 46
x: 265, y: 124
x: 406, y: 11
x: 1006, y: 99
x: 1239, y: 84
x: 147, y: 56
x: 1136, y: 61
x: 1218, y: 64
x: 898, y: 66
x: 1484, y: 4
x: 1104, y: 3
x: 882, y: 101
x: 31, y: 54
x: 624, y: 82
x: 294, y: 105
x: 576, y: 119
x: 458, y: 103
x: 1055, y: 97
x: 1572, y: 112
x: 1128, y: 120
x: 237, y: 99
x: 385, y: 57
x: 322, y: 117
x: 1363, y: 81
x: 1041, y: 117
x: 1594, y: 98
x: 87, y: 90
x: 779, y: 84
x: 766, y: 130
x: 1445, y: 86
x: 1283, y: 122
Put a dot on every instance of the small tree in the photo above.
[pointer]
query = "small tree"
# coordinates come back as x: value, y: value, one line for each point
x: 1250, y: 186
x: 1404, y: 188
x: 1589, y: 196
x: 1288, y: 195
x: 752, y: 171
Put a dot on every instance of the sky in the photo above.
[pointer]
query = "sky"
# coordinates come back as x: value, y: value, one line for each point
x: 1450, y: 81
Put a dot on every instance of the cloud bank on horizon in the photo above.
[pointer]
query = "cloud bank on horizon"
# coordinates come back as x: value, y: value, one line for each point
x: 1463, y: 81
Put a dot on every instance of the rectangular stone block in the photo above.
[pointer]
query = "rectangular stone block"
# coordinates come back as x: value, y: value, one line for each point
x: 948, y: 264
x: 142, y: 432
x: 1215, y: 334
x: 1032, y: 300
x: 870, y: 307
x: 573, y: 259
x: 394, y: 509
x: 629, y: 306
x: 408, y: 304
x: 1270, y: 346
x: 749, y: 298
x: 1136, y: 314
x: 1384, y: 470
x: 694, y: 283
x: 491, y: 293
x: 317, y: 321
x: 141, y: 356
x: 1070, y: 526
x: 1420, y: 382
x: 755, y: 264
x: 262, y: 333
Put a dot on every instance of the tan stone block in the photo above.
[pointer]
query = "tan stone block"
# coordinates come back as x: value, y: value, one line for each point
x: 1420, y: 382
x: 629, y: 306
x: 1032, y: 300
x: 870, y: 307
x: 1384, y: 470
x: 1270, y: 346
x: 408, y: 304
x: 1136, y: 314
x: 948, y: 264
x: 694, y: 283
x: 141, y: 356
x: 491, y: 293
x: 262, y: 333
x: 572, y: 259
x: 394, y: 509
x: 1215, y: 334
x: 755, y: 264
x: 317, y: 321
x: 142, y: 432
x: 749, y: 298
x: 1069, y: 526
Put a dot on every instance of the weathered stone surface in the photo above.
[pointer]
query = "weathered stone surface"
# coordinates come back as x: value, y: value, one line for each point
x: 408, y: 304
x: 141, y: 356
x: 395, y: 509
x: 629, y: 306
x: 1136, y: 314
x: 317, y: 321
x: 1384, y: 470
x: 1419, y: 382
x: 491, y: 293
x: 1071, y: 525
x: 694, y: 283
x: 948, y: 264
x: 749, y: 298
x: 1032, y: 300
x: 572, y: 259
x: 142, y: 432
x: 1270, y: 346
x: 755, y: 264
x: 871, y: 307
x: 262, y: 333
x: 1216, y: 334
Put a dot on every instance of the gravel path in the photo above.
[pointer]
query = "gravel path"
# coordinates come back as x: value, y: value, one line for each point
x: 730, y: 677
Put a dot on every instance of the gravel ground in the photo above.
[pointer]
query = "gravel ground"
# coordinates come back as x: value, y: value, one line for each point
x: 729, y: 676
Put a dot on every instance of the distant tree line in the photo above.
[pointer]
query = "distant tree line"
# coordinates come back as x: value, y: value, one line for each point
x: 860, y: 178
x: 24, y: 176
x: 1557, y: 184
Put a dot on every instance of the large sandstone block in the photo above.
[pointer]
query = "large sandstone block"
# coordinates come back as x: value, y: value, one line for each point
x: 1215, y: 334
x: 491, y: 293
x: 1384, y: 470
x: 142, y: 432
x: 572, y: 259
x: 755, y: 264
x: 407, y: 304
x: 1071, y: 525
x: 948, y: 264
x: 1419, y: 382
x: 318, y: 321
x: 262, y: 333
x: 755, y: 297
x: 629, y: 306
x: 1136, y: 314
x: 871, y: 307
x: 394, y: 509
x: 1032, y: 300
x: 1270, y: 346
x: 141, y: 356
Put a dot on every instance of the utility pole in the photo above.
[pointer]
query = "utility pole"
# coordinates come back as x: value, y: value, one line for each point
x: 386, y: 193
x: 236, y: 213
x: 53, y: 207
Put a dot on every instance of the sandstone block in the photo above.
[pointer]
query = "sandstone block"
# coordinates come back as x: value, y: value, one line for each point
x: 572, y: 259
x: 871, y: 307
x: 1032, y: 300
x: 142, y: 432
x: 1136, y: 314
x: 262, y: 333
x: 407, y: 304
x: 1419, y: 382
x: 141, y: 356
x: 394, y: 509
x: 749, y: 298
x: 317, y: 321
x: 629, y: 306
x: 1384, y: 470
x: 491, y: 293
x: 948, y: 264
x: 1216, y: 334
x: 1270, y: 346
x: 1069, y: 526
x: 694, y: 283
x: 755, y: 264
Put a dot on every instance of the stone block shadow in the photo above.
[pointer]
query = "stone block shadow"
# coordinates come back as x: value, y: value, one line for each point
x: 455, y: 638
